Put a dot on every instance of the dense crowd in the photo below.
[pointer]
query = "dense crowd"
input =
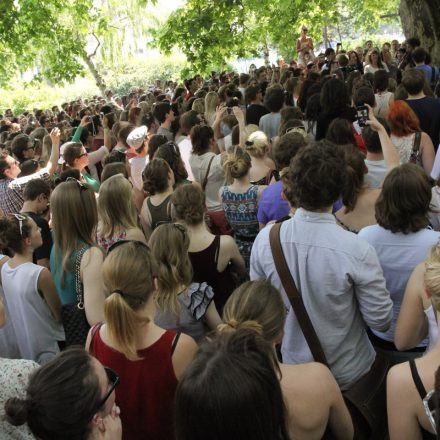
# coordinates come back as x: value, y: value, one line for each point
x: 241, y: 256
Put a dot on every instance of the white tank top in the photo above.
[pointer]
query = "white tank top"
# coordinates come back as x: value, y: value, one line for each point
x: 8, y: 341
x: 432, y: 327
x: 36, y: 330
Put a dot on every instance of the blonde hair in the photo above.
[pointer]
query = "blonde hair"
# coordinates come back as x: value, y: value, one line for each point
x: 169, y: 245
x: 212, y: 100
x: 237, y: 164
x: 199, y: 106
x: 255, y: 305
x: 128, y: 273
x: 257, y: 144
x: 249, y: 129
x: 74, y: 220
x: 145, y: 107
x: 432, y: 275
x: 116, y: 208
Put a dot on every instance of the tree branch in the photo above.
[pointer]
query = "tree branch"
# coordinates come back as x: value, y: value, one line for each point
x: 96, y: 48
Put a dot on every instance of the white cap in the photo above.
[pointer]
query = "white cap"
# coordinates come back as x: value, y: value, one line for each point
x: 136, y: 138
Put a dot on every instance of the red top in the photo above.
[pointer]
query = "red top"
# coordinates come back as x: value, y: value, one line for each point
x: 146, y: 391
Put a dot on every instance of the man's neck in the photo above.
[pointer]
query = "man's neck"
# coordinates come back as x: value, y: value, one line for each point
x: 375, y: 157
x: 166, y: 124
x: 419, y: 64
x: 256, y: 102
x: 418, y: 96
x: 29, y: 206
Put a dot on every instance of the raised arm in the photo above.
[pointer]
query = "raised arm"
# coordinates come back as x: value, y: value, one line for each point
x: 238, y: 113
x: 390, y: 154
x: 412, y: 324
x: 52, y: 164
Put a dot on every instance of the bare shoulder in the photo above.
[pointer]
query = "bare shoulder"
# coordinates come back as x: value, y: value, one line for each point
x: 399, y: 379
x: 93, y: 255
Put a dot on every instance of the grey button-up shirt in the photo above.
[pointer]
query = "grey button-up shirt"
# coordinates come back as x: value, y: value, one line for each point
x: 342, y: 285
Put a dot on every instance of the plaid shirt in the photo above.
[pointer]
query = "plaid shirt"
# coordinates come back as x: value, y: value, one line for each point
x: 11, y: 191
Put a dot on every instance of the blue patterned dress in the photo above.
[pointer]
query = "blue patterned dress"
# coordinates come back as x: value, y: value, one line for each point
x: 241, y: 212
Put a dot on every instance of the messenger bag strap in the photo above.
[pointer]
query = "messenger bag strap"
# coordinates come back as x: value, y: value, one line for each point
x: 205, y: 180
x: 294, y: 296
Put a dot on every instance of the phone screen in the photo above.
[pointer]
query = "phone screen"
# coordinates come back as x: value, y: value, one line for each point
x: 362, y: 115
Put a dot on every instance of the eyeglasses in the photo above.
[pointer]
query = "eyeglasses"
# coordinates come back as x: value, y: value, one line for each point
x: 82, y: 155
x: 21, y: 218
x: 430, y: 413
x: 113, y: 380
x: 121, y: 242
x: 82, y: 186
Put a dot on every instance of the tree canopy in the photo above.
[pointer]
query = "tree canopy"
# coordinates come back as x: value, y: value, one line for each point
x: 52, y: 38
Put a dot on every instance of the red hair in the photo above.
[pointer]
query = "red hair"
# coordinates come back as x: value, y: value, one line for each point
x: 402, y: 119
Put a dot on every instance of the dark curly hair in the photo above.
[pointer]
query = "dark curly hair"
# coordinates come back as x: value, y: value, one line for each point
x: 155, y: 176
x: 334, y: 95
x: 403, y: 204
x: 317, y: 175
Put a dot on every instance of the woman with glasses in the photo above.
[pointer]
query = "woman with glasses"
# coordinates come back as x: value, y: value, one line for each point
x: 181, y: 304
x: 409, y: 383
x: 71, y: 397
x: 75, y: 156
x: 23, y: 147
x: 74, y: 222
x: 34, y: 308
x: 117, y: 213
x: 149, y: 360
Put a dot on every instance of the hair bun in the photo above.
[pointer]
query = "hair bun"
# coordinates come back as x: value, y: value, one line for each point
x: 17, y: 411
x: 233, y: 325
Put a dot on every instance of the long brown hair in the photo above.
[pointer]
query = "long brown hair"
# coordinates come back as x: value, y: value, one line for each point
x: 116, y: 208
x: 74, y: 220
x: 169, y: 244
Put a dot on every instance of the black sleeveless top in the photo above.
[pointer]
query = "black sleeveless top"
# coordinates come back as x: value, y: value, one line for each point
x: 426, y: 435
x: 204, y: 265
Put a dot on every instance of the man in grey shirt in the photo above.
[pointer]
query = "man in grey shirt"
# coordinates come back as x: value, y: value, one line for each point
x: 337, y: 273
x: 165, y: 116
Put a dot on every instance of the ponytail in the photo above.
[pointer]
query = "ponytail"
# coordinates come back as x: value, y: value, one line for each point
x: 122, y: 322
x: 354, y: 177
x: 17, y: 411
x: 233, y: 325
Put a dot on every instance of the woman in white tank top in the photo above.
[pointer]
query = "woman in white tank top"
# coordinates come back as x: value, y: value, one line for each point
x: 31, y: 298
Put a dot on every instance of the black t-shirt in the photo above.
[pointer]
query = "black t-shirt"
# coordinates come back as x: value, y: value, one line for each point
x: 254, y: 112
x: 44, y: 250
x: 427, y: 110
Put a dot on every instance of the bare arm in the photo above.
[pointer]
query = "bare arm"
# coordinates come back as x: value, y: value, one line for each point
x: 94, y: 291
x: 228, y: 245
x: 52, y: 164
x: 412, y: 325
x: 216, y: 126
x: 185, y: 350
x: 212, y: 316
x: 402, y: 418
x: 47, y: 288
x: 145, y: 219
x: 390, y: 153
x: 238, y: 113
x: 45, y: 262
x: 428, y: 153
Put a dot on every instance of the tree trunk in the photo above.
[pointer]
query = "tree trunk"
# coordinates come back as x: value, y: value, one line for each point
x: 325, y: 35
x: 266, y: 54
x: 98, y: 78
x: 421, y: 19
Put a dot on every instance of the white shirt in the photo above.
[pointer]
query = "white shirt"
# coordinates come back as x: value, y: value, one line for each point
x: 185, y: 148
x: 342, y: 286
x: 137, y: 165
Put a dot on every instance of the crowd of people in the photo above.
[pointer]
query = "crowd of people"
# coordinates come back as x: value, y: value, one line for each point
x: 242, y: 256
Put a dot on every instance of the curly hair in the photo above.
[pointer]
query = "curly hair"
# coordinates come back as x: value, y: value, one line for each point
x: 317, y: 175
x: 189, y: 204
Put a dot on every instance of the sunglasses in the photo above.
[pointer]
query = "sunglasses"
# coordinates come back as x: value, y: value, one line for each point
x: 82, y: 186
x: 21, y: 218
x: 113, y: 380
x: 430, y: 413
x: 121, y: 242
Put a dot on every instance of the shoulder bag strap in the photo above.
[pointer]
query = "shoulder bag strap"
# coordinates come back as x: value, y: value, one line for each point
x: 78, y: 284
x: 294, y: 296
x: 205, y: 180
x: 417, y: 140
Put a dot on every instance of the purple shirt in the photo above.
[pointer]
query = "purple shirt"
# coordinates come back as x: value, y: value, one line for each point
x: 271, y: 205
